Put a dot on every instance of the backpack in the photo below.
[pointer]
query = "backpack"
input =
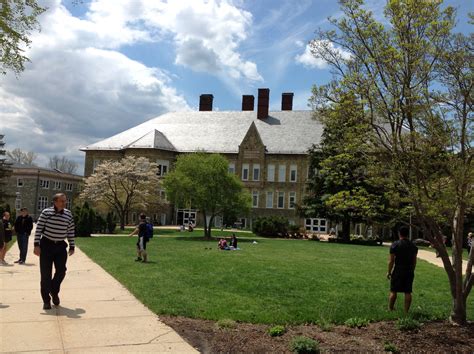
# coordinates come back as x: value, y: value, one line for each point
x: 149, y: 230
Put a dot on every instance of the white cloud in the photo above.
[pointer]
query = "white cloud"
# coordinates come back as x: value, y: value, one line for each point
x: 78, y: 90
x: 308, y: 59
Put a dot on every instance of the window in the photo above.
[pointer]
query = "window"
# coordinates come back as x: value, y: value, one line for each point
x: 96, y: 163
x: 256, y: 172
x: 68, y: 187
x: 269, y: 200
x: 18, y: 201
x: 44, y: 183
x: 281, y: 200
x: 68, y: 204
x: 291, y: 200
x: 271, y: 173
x: 293, y: 173
x: 42, y: 203
x: 163, y: 167
x: 255, y: 199
x: 281, y: 173
x: 245, y: 172
x: 57, y: 185
x: 19, y: 182
x: 315, y: 225
x: 231, y: 167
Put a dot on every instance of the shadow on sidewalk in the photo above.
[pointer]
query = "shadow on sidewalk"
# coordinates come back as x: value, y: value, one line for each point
x: 64, y: 311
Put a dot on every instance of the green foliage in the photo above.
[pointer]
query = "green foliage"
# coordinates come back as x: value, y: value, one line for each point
x: 357, y: 322
x: 390, y: 347
x: 226, y: 323
x: 202, y: 181
x: 270, y: 226
x: 87, y: 221
x: 325, y: 325
x: 18, y: 18
x: 408, y: 324
x: 276, y: 331
x: 304, y: 345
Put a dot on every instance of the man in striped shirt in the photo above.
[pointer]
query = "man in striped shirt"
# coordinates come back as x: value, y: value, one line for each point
x: 55, y: 224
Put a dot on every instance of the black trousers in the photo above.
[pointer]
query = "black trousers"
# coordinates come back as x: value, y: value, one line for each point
x: 52, y: 253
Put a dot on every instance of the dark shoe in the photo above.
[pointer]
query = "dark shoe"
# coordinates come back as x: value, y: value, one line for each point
x: 18, y: 261
x: 55, y: 298
x: 21, y: 262
x: 46, y: 306
x: 138, y: 259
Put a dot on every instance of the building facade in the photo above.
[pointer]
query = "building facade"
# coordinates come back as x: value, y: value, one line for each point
x: 267, y: 150
x: 33, y: 187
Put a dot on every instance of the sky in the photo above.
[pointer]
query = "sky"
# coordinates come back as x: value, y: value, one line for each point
x: 99, y: 67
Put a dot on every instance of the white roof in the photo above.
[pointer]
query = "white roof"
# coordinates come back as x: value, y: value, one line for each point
x: 290, y: 132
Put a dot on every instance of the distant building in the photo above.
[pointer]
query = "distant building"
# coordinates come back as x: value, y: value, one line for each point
x: 267, y: 150
x: 33, y: 187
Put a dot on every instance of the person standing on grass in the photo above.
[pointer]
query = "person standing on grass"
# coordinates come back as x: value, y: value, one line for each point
x: 55, y: 224
x: 141, y: 230
x: 403, y: 255
x: 23, y: 227
x: 8, y: 230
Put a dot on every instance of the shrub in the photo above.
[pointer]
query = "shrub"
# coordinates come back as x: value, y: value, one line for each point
x: 304, y: 345
x: 226, y: 323
x: 325, y: 325
x: 390, y: 347
x: 408, y: 324
x: 357, y: 322
x: 111, y: 223
x: 271, y: 226
x: 276, y: 331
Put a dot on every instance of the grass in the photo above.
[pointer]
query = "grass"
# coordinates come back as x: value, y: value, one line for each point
x: 272, y: 282
x: 12, y: 242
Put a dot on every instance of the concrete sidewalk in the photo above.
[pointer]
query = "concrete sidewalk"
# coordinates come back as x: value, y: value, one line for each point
x: 431, y: 258
x: 97, y: 314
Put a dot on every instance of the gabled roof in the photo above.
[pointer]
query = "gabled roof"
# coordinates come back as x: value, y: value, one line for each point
x: 290, y: 132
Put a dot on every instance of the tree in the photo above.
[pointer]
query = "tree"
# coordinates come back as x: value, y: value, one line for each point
x: 20, y: 157
x: 17, y: 19
x: 423, y: 147
x: 122, y: 185
x: 340, y: 187
x: 202, y: 181
x: 5, y: 171
x: 62, y: 164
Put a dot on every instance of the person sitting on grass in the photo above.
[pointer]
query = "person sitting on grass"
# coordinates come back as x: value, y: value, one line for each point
x: 142, y: 239
x: 233, y: 242
x: 222, y: 245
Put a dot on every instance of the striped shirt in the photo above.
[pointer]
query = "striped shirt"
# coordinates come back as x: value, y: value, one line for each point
x: 55, y: 226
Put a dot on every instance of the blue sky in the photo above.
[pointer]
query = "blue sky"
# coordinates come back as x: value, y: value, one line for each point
x: 101, y: 66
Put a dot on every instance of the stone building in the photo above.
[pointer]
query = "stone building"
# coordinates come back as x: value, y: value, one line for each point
x: 267, y: 150
x: 33, y: 187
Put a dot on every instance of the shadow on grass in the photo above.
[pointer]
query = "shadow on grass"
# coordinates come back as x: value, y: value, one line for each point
x: 213, y: 239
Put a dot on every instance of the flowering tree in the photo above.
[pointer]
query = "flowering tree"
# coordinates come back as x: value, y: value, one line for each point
x: 122, y: 185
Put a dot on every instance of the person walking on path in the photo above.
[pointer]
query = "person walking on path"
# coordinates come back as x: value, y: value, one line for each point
x: 2, y: 238
x: 55, y: 224
x: 8, y: 230
x: 403, y: 255
x: 23, y: 227
x: 141, y: 230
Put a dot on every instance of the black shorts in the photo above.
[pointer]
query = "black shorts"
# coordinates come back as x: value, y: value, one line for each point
x: 402, y: 281
x: 141, y: 244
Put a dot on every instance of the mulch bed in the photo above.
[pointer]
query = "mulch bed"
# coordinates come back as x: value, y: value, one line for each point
x: 432, y: 337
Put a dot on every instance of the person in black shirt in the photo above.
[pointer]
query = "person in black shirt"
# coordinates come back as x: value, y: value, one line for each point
x: 23, y: 227
x: 8, y: 230
x: 142, y: 239
x: 403, y: 255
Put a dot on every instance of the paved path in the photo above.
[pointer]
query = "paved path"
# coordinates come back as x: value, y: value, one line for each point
x: 97, y: 314
x: 431, y: 258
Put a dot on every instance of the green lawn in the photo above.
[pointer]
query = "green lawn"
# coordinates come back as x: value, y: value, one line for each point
x: 274, y: 281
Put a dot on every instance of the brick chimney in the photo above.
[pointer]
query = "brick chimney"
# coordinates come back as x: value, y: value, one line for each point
x: 205, y: 102
x: 287, y: 101
x: 263, y: 102
x: 248, y: 102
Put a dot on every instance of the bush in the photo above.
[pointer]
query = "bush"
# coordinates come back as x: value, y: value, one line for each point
x: 408, y: 324
x: 111, y: 223
x: 357, y: 322
x: 304, y: 345
x: 390, y: 347
x: 226, y: 323
x: 271, y: 226
x: 325, y: 325
x: 276, y: 331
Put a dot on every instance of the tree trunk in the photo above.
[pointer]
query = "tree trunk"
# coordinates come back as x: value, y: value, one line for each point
x: 458, y: 313
x: 346, y: 229
x: 207, y: 231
